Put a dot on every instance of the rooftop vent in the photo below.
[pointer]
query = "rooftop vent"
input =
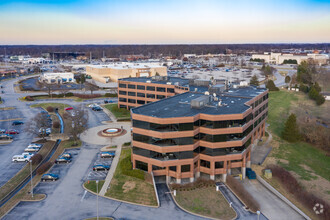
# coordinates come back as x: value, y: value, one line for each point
x: 169, y: 83
x: 206, y: 93
x: 148, y: 81
x: 220, y: 103
x: 200, y: 102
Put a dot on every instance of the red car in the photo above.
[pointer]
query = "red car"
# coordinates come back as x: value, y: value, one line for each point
x: 68, y: 108
x: 12, y: 132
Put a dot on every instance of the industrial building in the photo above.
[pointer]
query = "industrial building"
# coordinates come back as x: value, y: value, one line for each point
x: 279, y: 58
x: 193, y: 134
x: 59, y: 78
x: 115, y: 71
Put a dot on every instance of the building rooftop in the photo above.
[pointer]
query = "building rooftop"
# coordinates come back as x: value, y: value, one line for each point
x: 159, y: 80
x: 127, y: 65
x: 181, y: 105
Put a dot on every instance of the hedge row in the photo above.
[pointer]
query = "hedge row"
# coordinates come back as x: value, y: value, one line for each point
x: 199, y: 183
x: 44, y: 167
x: 36, y: 159
x: 291, y: 184
x: 126, y: 168
x: 110, y: 95
x: 242, y: 193
x: 87, y: 96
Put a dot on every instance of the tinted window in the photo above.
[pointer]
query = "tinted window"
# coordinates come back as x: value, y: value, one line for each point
x: 141, y: 87
x: 121, y: 85
x: 161, y: 89
x: 131, y: 93
x: 170, y: 90
x: 131, y: 86
x: 151, y: 88
x: 122, y: 92
x: 150, y: 96
x: 141, y: 95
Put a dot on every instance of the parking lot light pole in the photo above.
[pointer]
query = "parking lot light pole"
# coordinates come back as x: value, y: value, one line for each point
x: 258, y: 213
x: 97, y: 199
x: 31, y: 177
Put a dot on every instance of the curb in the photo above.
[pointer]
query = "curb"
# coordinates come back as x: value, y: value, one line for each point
x: 118, y: 200
x: 283, y: 198
x: 155, y: 188
x: 23, y: 200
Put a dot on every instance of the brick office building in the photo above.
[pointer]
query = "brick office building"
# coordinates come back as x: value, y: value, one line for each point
x: 193, y: 134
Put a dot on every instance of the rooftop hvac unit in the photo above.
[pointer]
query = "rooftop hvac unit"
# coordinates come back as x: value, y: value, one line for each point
x: 169, y: 83
x: 207, y: 93
x: 195, y: 89
x: 148, y: 81
x: 220, y: 103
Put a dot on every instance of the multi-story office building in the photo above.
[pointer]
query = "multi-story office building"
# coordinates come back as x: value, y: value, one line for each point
x: 195, y: 134
x: 134, y: 92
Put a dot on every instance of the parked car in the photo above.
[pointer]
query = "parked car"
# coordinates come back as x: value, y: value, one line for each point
x: 63, y: 160
x: 108, y: 101
x: 35, y: 145
x: 12, y: 131
x: 20, y: 158
x: 6, y: 137
x: 97, y: 108
x: 17, y: 123
x: 93, y: 105
x: 49, y: 177
x: 100, y: 167
x: 27, y: 154
x: 67, y: 155
x: 68, y: 108
x: 107, y: 154
x: 47, y: 131
x: 32, y: 149
x: 2, y: 131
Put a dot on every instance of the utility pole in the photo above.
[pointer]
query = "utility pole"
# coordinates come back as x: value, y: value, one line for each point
x: 97, y: 199
x: 31, y: 177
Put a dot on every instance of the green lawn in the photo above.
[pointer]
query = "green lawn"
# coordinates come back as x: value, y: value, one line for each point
x: 131, y: 189
x: 205, y: 201
x: 60, y: 106
x: 303, y: 158
x: 91, y: 185
x: 119, y: 113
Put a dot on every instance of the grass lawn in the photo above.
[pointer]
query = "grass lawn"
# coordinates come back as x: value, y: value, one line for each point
x: 119, y: 113
x: 205, y: 201
x: 60, y: 106
x: 91, y: 185
x: 100, y: 218
x: 297, y: 155
x: 69, y: 144
x: 131, y: 189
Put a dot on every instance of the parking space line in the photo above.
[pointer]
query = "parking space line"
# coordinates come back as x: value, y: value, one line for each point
x: 82, y: 198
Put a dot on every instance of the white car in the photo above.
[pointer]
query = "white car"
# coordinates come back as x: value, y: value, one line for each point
x: 35, y: 145
x: 27, y: 154
x: 32, y: 149
x: 20, y: 158
x: 93, y: 105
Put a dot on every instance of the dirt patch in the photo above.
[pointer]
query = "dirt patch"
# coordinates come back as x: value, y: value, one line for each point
x: 128, y: 186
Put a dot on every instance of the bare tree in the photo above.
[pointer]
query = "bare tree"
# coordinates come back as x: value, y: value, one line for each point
x: 79, y: 119
x: 91, y: 87
x: 48, y: 86
x: 39, y: 124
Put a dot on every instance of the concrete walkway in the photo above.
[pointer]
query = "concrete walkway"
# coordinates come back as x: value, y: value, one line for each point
x: 259, y: 153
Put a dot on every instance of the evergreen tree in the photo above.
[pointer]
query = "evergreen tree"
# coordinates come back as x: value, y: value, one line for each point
x: 317, y: 87
x: 291, y: 131
x: 271, y: 86
x: 313, y: 93
x: 254, y: 81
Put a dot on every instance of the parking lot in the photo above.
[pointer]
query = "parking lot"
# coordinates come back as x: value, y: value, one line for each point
x: 98, y: 175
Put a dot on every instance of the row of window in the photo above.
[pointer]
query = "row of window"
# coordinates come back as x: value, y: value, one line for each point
x: 259, y: 101
x: 142, y: 95
x: 141, y: 101
x: 190, y: 126
x: 149, y: 88
x: 256, y: 113
x: 190, y: 140
x: 256, y: 123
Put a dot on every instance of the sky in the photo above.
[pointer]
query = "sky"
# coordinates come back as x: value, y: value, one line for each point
x: 164, y: 22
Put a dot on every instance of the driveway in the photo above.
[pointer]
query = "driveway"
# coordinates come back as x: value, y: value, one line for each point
x: 271, y: 206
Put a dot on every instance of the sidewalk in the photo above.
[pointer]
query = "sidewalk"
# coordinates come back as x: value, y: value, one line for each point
x: 259, y: 153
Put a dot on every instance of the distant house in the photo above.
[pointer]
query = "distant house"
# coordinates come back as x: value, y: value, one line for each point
x: 58, y: 78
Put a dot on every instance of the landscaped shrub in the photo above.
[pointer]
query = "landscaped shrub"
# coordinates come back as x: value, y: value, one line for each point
x: 126, y: 168
x: 303, y: 88
x: 44, y: 167
x: 291, y: 130
x: 199, y: 183
x: 287, y: 79
x: 271, y: 86
x: 29, y: 98
x: 127, y: 144
x: 69, y: 94
x: 87, y: 96
x: 290, y: 183
x: 242, y: 193
x: 36, y: 159
x: 56, y: 124
x: 50, y: 109
x: 110, y: 95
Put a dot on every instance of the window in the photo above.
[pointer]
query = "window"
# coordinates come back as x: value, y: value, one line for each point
x: 150, y: 88
x: 141, y: 87
x: 122, y: 92
x: 205, y: 163
x: 150, y: 96
x: 161, y: 89
x: 170, y: 90
x: 161, y: 97
x: 218, y: 165
x: 131, y: 93
x: 173, y: 168
x: 154, y: 167
x: 141, y: 165
x: 131, y: 101
x: 130, y: 86
x: 185, y: 168
x: 122, y: 99
x: 141, y: 102
x: 140, y: 94
x: 163, y: 142
x: 121, y: 85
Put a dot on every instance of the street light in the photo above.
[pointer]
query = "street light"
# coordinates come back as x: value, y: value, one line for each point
x: 97, y: 199
x: 258, y: 213
x: 31, y: 177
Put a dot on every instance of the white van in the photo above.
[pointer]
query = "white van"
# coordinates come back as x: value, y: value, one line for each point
x: 20, y: 158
